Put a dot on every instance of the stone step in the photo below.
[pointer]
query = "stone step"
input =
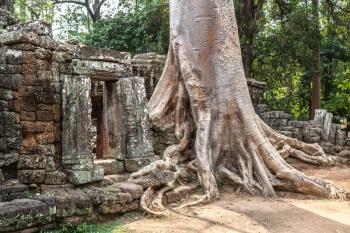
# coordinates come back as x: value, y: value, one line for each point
x: 22, y: 214
x: 13, y: 190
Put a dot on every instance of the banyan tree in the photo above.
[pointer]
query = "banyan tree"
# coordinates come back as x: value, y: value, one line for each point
x: 203, y: 92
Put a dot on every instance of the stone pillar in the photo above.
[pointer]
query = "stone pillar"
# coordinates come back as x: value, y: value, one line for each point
x: 139, y: 147
x: 76, y: 107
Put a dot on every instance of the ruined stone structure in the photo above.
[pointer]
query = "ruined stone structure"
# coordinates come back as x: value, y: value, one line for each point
x: 55, y: 98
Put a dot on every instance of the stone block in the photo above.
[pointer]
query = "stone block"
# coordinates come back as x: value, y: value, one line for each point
x: 133, y: 165
x: 117, y: 178
x: 50, y: 164
x: 178, y: 193
x: 71, y: 202
x: 33, y: 162
x: 84, y: 177
x: 45, y: 138
x: 6, y: 94
x: 155, y: 179
x: 12, y: 191
x: 4, y: 105
x: 44, y: 115
x: 37, y: 127
x: 6, y: 81
x: 345, y: 154
x: 135, y: 190
x: 7, y: 159
x: 38, y: 27
x: 119, y: 208
x: 25, y: 213
x: 13, y: 143
x: 14, y: 105
x: 31, y: 176
x: 109, y: 166
x: 7, y: 118
x: 55, y: 178
x: 27, y: 116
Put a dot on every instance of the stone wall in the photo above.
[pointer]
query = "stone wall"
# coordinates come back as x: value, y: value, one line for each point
x: 150, y: 67
x: 46, y: 102
x: 32, y: 111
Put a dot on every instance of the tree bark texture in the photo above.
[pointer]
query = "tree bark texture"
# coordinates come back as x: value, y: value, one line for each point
x: 203, y: 91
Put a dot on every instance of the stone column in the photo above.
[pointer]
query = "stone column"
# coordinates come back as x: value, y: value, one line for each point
x: 139, y: 147
x: 76, y: 107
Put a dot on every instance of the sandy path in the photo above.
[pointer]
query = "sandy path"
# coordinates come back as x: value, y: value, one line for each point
x: 245, y: 214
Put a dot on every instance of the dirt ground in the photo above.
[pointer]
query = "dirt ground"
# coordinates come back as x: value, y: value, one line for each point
x: 289, y: 213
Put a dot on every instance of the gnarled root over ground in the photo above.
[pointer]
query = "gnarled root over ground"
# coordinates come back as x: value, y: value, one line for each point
x: 204, y: 93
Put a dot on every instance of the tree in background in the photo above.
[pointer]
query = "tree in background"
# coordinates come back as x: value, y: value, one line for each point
x: 139, y: 26
x: 92, y: 7
x: 248, y: 13
x: 316, y: 68
x: 8, y: 5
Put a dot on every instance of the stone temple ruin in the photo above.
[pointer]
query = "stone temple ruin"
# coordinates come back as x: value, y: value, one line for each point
x: 74, y: 123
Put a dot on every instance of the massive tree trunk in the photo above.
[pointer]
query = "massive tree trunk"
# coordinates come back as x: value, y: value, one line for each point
x: 203, y: 91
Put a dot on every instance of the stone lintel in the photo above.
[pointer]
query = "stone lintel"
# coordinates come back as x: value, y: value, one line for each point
x: 101, y: 70
x: 100, y: 54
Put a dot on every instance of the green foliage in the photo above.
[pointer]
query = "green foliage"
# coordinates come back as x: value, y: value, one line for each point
x: 144, y: 28
x: 113, y: 227
x: 34, y: 10
x: 283, y: 56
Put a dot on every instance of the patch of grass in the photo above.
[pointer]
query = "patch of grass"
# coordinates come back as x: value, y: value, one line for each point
x: 113, y: 227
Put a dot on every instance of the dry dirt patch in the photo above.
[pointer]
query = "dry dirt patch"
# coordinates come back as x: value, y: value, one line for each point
x: 244, y: 214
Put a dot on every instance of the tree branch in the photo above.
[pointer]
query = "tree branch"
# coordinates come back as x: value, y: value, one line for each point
x: 84, y: 4
x: 100, y: 5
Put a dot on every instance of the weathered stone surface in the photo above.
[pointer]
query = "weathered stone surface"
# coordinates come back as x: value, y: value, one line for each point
x: 12, y: 191
x: 100, y: 70
x: 135, y: 190
x: 109, y: 166
x: 155, y: 179
x: 31, y: 176
x: 25, y: 213
x: 17, y: 37
x: 133, y: 165
x: 345, y: 154
x: 149, y: 66
x: 55, y: 178
x: 76, y: 154
x: 133, y: 97
x: 34, y: 162
x: 117, y: 178
x: 71, y: 202
x: 8, y: 158
x: 38, y: 27
x: 119, y: 208
x: 178, y: 193
x: 111, y: 199
x: 84, y: 177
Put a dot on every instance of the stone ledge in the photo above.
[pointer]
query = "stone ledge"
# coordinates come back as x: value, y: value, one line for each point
x: 25, y: 213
